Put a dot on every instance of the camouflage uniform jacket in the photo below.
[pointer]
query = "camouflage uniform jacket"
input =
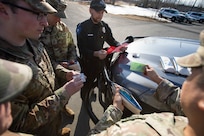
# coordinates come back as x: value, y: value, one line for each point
x: 157, y: 124
x: 38, y: 104
x: 60, y: 46
x: 169, y: 94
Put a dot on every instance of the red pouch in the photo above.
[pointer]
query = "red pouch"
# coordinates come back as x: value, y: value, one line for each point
x: 110, y: 49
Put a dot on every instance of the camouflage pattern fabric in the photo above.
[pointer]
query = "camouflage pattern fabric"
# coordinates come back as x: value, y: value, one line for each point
x: 37, y: 109
x: 59, y: 43
x: 59, y: 5
x: 168, y: 93
x: 195, y: 59
x: 14, y: 78
x: 60, y: 46
x: 157, y: 124
x: 41, y: 5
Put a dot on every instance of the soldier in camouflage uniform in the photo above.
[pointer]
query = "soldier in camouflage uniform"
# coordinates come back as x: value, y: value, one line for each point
x: 166, y: 123
x: 59, y: 43
x: 60, y: 46
x: 38, y: 109
x: 14, y: 78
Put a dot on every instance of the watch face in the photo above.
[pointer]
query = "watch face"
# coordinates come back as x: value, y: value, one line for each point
x: 130, y: 102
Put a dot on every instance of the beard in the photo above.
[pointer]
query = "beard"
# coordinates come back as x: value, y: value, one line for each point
x: 96, y: 20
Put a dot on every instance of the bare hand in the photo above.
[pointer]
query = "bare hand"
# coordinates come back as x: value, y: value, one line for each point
x: 75, y: 67
x: 64, y: 64
x: 117, y: 100
x: 151, y: 74
x: 73, y: 86
x: 101, y: 54
x: 123, y: 49
x: 70, y: 74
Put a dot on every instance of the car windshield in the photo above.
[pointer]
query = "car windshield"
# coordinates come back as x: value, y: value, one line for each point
x: 174, y: 12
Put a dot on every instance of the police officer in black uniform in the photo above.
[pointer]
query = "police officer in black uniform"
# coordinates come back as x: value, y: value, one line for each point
x: 91, y: 35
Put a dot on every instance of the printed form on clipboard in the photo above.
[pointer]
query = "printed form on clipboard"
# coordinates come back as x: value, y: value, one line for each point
x: 170, y: 65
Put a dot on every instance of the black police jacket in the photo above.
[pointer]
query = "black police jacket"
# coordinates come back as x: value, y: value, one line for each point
x: 91, y: 37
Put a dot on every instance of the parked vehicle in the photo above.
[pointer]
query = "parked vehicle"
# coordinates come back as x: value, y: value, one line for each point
x: 188, y: 19
x: 197, y: 16
x: 172, y: 14
x: 146, y: 51
x: 150, y: 50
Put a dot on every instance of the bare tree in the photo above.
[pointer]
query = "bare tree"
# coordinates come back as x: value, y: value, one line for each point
x: 193, y: 5
x: 145, y: 3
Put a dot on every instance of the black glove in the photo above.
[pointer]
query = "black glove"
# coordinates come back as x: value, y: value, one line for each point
x: 129, y: 39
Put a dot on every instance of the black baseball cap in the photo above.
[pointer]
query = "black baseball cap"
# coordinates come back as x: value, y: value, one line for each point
x: 98, y: 5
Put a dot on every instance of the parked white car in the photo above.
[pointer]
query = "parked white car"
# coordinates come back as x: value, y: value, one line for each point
x: 197, y: 16
x: 172, y: 14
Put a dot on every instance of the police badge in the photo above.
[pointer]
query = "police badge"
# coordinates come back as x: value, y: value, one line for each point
x: 103, y: 29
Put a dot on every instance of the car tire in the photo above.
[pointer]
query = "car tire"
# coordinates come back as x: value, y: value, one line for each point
x: 160, y: 15
x: 173, y: 19
x: 201, y: 21
x: 185, y: 20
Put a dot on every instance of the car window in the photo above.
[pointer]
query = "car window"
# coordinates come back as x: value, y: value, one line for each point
x: 175, y: 12
x: 196, y: 14
x: 166, y: 10
x: 172, y: 11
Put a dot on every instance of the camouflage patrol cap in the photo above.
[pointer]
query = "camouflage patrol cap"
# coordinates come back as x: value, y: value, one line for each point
x: 195, y: 59
x: 60, y: 6
x: 41, y: 5
x: 14, y: 78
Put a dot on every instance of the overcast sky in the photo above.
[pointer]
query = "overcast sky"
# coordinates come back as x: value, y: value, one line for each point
x: 191, y: 2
